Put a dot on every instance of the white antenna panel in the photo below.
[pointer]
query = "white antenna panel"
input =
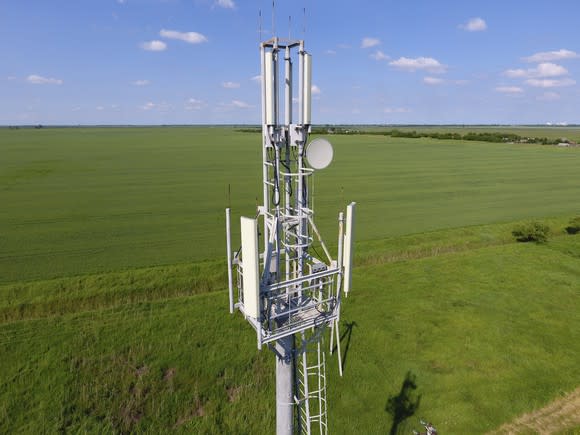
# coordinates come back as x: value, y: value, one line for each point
x: 269, y: 78
x: 319, y: 153
x: 348, y: 246
x: 250, y: 269
x: 307, y: 89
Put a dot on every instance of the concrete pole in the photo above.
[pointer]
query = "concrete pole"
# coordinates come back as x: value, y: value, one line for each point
x: 284, y: 386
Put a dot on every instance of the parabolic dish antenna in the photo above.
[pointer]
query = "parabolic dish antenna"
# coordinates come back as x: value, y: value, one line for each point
x: 319, y: 153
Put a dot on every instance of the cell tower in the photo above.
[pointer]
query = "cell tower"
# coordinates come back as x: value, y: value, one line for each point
x: 288, y: 294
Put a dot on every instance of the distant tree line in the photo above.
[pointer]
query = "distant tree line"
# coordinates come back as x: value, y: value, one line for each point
x: 497, y: 137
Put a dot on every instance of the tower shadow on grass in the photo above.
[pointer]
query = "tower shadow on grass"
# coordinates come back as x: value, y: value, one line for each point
x: 345, y: 338
x: 403, y: 405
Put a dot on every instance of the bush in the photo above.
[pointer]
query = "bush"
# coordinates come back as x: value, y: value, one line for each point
x: 574, y: 226
x: 532, y: 232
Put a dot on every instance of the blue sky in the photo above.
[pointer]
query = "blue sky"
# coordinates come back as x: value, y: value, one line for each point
x: 196, y: 61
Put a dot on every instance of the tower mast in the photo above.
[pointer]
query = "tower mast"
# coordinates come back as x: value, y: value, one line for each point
x: 288, y: 294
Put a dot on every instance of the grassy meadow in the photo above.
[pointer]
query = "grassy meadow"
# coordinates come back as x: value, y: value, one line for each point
x: 85, y: 200
x: 113, y: 314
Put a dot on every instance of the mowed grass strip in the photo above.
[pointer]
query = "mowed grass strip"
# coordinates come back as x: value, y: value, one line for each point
x: 485, y: 334
x: 34, y: 299
x: 93, y: 200
x: 45, y: 298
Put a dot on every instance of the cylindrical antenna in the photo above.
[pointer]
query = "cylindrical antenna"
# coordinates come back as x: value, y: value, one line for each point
x: 289, y: 27
x: 304, y: 25
x: 288, y: 87
x: 307, y: 111
x: 301, y: 83
x: 270, y: 88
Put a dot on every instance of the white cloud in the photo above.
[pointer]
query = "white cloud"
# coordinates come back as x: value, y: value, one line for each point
x: 257, y: 78
x: 547, y: 56
x: 230, y: 85
x: 419, y: 63
x: 148, y: 106
x: 331, y: 52
x: 432, y: 80
x: 240, y: 104
x: 154, y: 45
x: 163, y: 106
x: 550, y: 83
x: 512, y: 90
x: 369, y: 42
x: 516, y: 73
x: 316, y: 90
x: 194, y: 104
x: 549, y: 96
x: 232, y: 105
x: 396, y: 110
x: 545, y: 69
x: 379, y: 55
x: 227, y: 4
x: 474, y: 25
x: 40, y: 80
x: 189, y: 37
x: 550, y: 70
x: 100, y: 108
x: 140, y: 82
x: 121, y: 2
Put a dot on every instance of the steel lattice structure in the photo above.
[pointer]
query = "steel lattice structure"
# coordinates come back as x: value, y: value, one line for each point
x: 286, y: 291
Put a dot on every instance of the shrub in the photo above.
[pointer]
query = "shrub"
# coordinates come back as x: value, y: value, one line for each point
x: 532, y: 232
x: 574, y: 226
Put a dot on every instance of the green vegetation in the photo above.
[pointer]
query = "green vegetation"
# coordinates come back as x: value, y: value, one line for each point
x: 85, y: 200
x: 482, y: 136
x: 532, y: 232
x: 486, y: 337
x: 113, y: 316
x: 574, y: 226
x: 532, y: 133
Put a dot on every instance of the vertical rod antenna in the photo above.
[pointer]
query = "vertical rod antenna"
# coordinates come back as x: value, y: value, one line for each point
x: 273, y: 17
x: 259, y: 26
x: 229, y: 259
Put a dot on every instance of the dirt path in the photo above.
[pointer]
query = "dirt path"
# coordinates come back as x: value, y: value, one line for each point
x: 559, y: 415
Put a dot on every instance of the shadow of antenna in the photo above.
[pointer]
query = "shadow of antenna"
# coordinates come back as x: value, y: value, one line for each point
x: 403, y: 405
x: 345, y: 336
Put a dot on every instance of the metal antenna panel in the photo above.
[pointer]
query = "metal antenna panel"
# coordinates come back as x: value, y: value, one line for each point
x: 288, y: 293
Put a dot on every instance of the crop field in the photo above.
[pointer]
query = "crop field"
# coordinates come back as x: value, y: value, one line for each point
x: 80, y: 201
x: 113, y: 313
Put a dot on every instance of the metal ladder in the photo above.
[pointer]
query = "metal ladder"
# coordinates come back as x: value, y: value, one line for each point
x: 311, y: 382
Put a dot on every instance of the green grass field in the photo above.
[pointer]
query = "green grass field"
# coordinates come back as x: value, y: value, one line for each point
x: 82, y: 201
x: 113, y: 315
